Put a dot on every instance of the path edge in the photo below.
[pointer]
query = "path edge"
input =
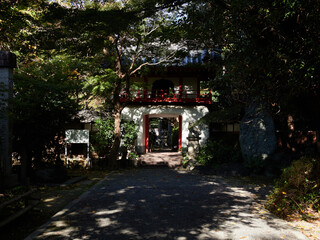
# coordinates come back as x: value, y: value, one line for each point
x: 44, y: 226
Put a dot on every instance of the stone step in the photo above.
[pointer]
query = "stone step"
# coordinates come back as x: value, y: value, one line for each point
x: 171, y: 159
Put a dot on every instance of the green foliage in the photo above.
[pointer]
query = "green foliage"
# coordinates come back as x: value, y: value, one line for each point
x: 45, y: 98
x: 217, y: 152
x: 129, y: 133
x: 269, y: 50
x: 18, y: 21
x: 102, y: 83
x: 185, y: 160
x: 103, y: 137
x: 297, y: 190
x: 45, y: 89
x: 133, y: 156
x: 255, y: 164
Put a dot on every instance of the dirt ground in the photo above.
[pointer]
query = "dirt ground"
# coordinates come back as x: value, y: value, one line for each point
x: 53, y: 199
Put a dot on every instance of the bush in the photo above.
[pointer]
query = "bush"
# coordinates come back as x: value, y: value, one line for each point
x: 129, y: 133
x: 255, y: 165
x: 297, y: 190
x: 217, y: 152
x: 103, y: 138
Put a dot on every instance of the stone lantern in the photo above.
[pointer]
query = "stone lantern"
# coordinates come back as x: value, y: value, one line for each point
x: 193, y: 141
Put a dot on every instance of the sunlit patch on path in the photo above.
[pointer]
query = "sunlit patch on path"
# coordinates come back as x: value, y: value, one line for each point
x: 161, y: 203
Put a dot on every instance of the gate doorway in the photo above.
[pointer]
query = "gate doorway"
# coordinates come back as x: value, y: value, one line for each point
x: 163, y: 133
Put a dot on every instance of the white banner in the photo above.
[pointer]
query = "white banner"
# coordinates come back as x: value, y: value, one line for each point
x: 77, y: 136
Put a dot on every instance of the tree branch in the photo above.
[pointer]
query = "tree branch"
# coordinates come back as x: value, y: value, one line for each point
x: 136, y: 55
x: 151, y: 31
x: 118, y: 48
x: 153, y: 64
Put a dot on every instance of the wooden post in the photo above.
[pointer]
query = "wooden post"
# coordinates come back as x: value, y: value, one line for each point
x: 66, y: 154
x: 180, y: 133
x: 88, y: 155
x: 146, y: 128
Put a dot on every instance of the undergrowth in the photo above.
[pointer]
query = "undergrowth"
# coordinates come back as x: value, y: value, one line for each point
x: 217, y: 152
x: 297, y: 192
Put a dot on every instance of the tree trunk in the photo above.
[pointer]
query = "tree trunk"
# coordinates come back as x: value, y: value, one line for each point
x: 113, y: 156
x: 26, y: 165
x: 118, y: 106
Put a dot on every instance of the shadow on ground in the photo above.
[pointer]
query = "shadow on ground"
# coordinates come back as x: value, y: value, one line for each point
x: 161, y: 203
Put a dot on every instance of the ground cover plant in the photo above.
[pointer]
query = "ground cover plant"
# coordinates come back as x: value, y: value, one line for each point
x: 214, y: 153
x: 297, y: 192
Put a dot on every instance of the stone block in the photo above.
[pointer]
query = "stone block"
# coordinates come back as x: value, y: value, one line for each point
x: 257, y: 133
x: 7, y: 60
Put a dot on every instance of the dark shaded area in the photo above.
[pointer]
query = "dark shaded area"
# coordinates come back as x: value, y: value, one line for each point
x: 162, y: 87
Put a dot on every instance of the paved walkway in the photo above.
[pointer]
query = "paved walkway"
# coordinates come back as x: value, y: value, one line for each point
x: 161, y: 203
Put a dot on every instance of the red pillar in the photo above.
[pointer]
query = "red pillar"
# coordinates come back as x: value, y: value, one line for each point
x: 198, y: 88
x: 180, y: 133
x: 180, y: 87
x: 146, y: 128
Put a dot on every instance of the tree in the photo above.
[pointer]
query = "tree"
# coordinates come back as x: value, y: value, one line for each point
x: 45, y: 99
x: 19, y: 21
x: 269, y: 48
x: 118, y: 50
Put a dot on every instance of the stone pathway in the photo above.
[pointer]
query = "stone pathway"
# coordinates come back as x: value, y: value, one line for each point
x: 170, y: 159
x: 161, y: 203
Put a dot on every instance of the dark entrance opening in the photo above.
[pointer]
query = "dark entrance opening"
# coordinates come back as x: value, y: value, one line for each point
x: 162, y: 88
x: 163, y: 134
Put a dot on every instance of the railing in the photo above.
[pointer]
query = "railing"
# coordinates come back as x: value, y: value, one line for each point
x: 163, y: 96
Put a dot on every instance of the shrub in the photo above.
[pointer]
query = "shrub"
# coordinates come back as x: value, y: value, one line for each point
x: 133, y: 156
x: 129, y: 133
x: 255, y: 164
x: 217, y: 152
x: 297, y: 190
x: 103, y: 137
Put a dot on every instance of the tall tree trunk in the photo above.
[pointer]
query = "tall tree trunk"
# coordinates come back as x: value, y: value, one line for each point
x: 118, y: 106
x: 113, y: 156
